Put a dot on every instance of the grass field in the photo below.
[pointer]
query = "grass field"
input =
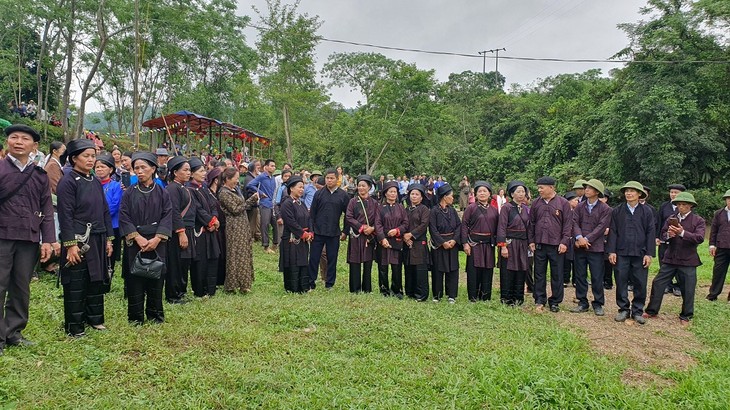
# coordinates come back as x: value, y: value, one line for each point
x: 269, y: 349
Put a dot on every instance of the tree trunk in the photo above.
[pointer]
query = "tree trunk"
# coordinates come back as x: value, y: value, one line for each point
x: 287, y: 133
x: 69, y: 73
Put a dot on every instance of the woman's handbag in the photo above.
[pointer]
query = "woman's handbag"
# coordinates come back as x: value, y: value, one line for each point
x: 147, y: 268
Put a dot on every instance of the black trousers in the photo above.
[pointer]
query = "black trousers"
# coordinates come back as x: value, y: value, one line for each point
x: 583, y: 260
x: 478, y: 281
x: 674, y: 283
x: 452, y: 284
x: 512, y: 286
x: 177, y: 269
x: 569, y: 271
x: 139, y: 289
x: 417, y: 282
x: 18, y: 259
x: 204, y: 276
x: 687, y: 278
x: 296, y: 279
x: 397, y: 282
x: 719, y: 272
x: 83, y: 301
x: 530, y: 274
x: 543, y: 255
x: 631, y: 267
x: 361, y: 277
x: 332, y: 244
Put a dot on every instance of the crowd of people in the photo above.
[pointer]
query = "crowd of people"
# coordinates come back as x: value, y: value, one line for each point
x: 176, y: 220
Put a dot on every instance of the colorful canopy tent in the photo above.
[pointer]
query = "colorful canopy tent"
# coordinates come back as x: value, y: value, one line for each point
x: 186, y: 123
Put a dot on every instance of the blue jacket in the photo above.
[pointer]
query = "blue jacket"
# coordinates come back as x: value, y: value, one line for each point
x: 113, y: 192
x: 309, y: 191
x: 265, y: 185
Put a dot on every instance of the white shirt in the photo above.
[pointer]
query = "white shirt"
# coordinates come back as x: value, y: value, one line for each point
x: 632, y: 208
x: 18, y: 164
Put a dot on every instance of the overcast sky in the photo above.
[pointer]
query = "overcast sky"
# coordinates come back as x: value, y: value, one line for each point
x: 567, y: 29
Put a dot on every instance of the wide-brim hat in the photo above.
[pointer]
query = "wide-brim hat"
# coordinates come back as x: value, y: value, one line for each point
x: 148, y: 157
x: 727, y: 194
x: 75, y: 147
x: 418, y: 187
x: 598, y: 186
x: 293, y: 181
x: 367, y: 178
x: 635, y: 185
x: 195, y: 163
x: 484, y: 184
x: 107, y: 160
x: 678, y: 187
x: 316, y: 173
x: 175, y: 163
x: 684, y: 197
x: 276, y: 172
x: 390, y: 184
x: 579, y: 184
x: 513, y: 185
x: 443, y: 190
x: 23, y: 128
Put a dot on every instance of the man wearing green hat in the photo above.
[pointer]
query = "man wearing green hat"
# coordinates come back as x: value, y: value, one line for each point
x: 720, y: 248
x: 631, y: 248
x: 667, y: 209
x: 591, y: 218
x: 683, y: 232
x: 579, y: 189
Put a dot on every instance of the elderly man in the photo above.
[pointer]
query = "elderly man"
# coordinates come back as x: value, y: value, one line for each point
x: 667, y: 209
x: 631, y: 248
x: 551, y: 229
x: 720, y: 248
x: 682, y: 232
x: 26, y: 219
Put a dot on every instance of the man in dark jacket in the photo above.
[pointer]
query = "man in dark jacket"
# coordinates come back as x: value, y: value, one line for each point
x: 631, y: 248
x: 591, y: 218
x: 26, y: 219
x: 683, y: 232
x: 667, y: 209
x: 720, y: 248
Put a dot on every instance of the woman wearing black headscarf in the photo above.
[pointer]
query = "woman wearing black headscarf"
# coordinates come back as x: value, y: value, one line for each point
x: 394, y: 223
x: 416, y: 255
x: 145, y: 221
x: 512, y: 241
x: 362, y: 218
x: 295, y: 239
x: 204, y: 269
x: 181, y: 246
x: 478, y: 231
x: 445, y: 229
x: 87, y: 235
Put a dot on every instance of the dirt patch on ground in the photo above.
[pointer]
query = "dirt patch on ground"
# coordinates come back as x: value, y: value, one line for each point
x: 661, y: 343
x: 645, y: 379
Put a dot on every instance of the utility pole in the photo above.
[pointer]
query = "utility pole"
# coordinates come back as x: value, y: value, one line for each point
x: 496, y: 62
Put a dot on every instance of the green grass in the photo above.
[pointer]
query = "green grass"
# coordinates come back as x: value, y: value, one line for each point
x: 269, y: 349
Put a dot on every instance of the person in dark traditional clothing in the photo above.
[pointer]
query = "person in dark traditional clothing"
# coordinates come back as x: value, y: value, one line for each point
x: 445, y: 230
x: 239, y: 238
x: 591, y: 219
x: 394, y: 223
x: 568, y: 276
x: 295, y: 239
x: 113, y: 191
x: 666, y: 210
x: 550, y: 228
x: 328, y: 205
x: 26, y: 219
x: 204, y: 268
x: 682, y: 232
x: 145, y: 221
x: 479, y: 233
x: 212, y: 183
x: 631, y: 248
x: 86, y: 236
x: 363, y: 223
x: 416, y: 255
x: 513, y: 242
x: 181, y: 246
x: 720, y: 248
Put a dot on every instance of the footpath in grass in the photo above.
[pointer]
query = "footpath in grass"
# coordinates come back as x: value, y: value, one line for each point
x: 268, y: 349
